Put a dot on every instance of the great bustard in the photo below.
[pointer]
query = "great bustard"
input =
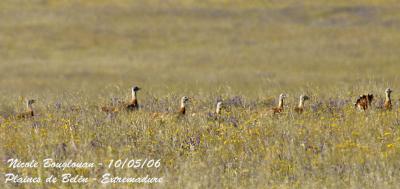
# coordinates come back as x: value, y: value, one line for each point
x: 280, y: 107
x: 216, y: 115
x: 184, y: 101
x: 388, y: 101
x: 130, y: 106
x: 133, y: 104
x: 219, y: 108
x: 300, y: 107
x: 29, y: 110
x: 364, y: 101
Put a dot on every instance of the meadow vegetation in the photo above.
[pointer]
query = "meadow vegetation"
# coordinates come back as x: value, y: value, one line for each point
x: 74, y: 56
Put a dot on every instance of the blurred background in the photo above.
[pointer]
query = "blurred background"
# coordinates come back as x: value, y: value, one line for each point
x: 74, y: 56
x: 250, y: 47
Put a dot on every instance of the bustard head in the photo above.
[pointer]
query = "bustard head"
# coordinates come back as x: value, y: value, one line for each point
x: 304, y: 97
x: 30, y: 101
x: 388, y: 91
x: 135, y: 88
x: 283, y: 96
x: 185, y: 99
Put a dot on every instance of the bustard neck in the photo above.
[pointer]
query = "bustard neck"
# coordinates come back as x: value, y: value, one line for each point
x: 280, y: 102
x: 388, y: 97
x: 134, y: 95
x: 183, y: 104
x: 218, y: 110
x: 301, y: 103
x: 29, y: 106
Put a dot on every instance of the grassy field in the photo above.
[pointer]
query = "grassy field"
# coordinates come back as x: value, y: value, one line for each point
x: 81, y: 54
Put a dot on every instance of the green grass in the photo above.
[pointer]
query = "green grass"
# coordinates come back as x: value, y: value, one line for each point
x: 83, y: 53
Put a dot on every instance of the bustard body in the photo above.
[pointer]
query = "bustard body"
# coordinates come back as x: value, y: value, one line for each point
x: 300, y: 108
x: 183, y: 104
x: 132, y: 105
x: 388, y: 101
x: 364, y: 102
x: 280, y: 107
x: 29, y: 111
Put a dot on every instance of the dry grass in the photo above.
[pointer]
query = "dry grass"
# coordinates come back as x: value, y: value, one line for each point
x: 83, y: 53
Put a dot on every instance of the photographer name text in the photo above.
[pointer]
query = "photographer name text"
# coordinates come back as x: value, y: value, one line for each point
x: 105, y: 178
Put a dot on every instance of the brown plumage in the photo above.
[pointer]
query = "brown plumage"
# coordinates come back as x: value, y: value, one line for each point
x: 388, y: 101
x: 131, y: 106
x: 182, y: 110
x: 279, y: 108
x: 364, y: 101
x: 29, y: 111
x: 180, y: 113
x: 300, y: 108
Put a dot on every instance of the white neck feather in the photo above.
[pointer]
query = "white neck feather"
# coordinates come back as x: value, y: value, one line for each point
x: 218, y: 110
x: 301, y: 103
x: 134, y: 94
x: 29, y: 106
x: 280, y: 102
x: 387, y: 96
